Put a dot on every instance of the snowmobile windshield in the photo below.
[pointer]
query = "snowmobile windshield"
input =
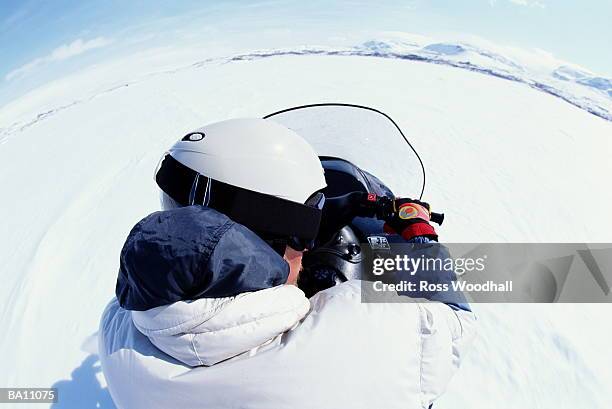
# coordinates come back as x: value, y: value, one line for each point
x: 364, y: 136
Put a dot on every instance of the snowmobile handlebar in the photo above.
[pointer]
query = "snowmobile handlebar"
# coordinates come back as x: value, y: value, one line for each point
x: 341, y: 210
x: 437, y: 218
x: 385, y: 208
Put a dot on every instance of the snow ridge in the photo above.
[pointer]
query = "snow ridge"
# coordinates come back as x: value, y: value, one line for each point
x: 576, y: 86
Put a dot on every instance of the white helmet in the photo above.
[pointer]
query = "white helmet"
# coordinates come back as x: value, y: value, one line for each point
x: 249, y: 169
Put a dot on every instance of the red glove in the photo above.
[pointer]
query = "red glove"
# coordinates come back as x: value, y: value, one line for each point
x: 410, y: 219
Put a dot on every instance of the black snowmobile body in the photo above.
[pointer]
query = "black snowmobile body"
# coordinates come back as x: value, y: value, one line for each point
x: 339, y: 255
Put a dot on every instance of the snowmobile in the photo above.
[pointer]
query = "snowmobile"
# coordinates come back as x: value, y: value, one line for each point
x: 345, y: 136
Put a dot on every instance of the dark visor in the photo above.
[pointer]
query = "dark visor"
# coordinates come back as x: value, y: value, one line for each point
x: 266, y: 215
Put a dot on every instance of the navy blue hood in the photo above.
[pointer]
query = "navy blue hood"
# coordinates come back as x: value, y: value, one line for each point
x: 193, y: 252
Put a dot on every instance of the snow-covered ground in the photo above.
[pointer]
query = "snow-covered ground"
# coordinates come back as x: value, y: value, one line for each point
x: 515, y: 151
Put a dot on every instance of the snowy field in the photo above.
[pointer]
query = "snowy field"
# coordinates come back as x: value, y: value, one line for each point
x: 507, y: 161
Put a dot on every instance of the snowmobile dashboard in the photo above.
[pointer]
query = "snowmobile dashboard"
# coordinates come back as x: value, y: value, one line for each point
x: 344, y: 177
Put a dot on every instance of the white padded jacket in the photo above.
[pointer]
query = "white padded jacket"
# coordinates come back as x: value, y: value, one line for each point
x: 274, y: 348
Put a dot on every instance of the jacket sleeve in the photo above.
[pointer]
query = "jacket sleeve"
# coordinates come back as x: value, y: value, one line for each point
x: 445, y: 335
x: 426, y: 249
x: 447, y: 327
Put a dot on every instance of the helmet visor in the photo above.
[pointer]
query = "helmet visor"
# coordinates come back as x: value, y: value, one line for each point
x: 266, y: 215
x: 316, y: 201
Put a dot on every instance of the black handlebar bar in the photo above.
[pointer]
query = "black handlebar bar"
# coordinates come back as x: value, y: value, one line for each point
x: 340, y: 211
x: 437, y: 218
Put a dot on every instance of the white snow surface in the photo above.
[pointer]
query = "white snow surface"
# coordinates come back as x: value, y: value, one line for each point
x: 506, y: 162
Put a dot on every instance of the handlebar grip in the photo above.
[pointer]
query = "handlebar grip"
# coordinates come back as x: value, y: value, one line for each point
x: 437, y: 218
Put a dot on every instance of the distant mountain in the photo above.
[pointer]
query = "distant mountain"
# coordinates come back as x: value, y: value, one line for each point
x: 577, y: 86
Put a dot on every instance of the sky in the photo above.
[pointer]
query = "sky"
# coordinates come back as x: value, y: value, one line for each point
x: 42, y: 40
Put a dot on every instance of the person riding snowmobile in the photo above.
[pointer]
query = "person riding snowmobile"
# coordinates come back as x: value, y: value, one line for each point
x: 207, y: 315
